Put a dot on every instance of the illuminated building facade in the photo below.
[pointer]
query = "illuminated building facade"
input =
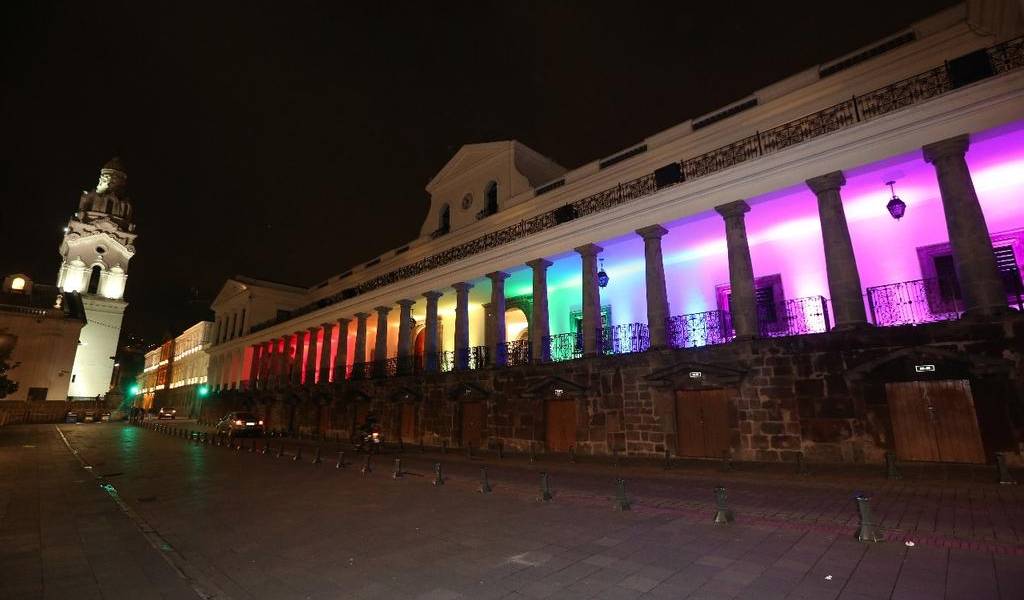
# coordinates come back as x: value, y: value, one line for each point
x: 819, y: 268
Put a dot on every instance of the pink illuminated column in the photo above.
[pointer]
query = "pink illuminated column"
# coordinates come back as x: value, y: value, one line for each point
x: 380, y: 351
x: 296, y: 374
x: 591, y: 298
x: 840, y: 263
x: 497, y: 319
x: 657, y: 296
x: 267, y: 363
x: 254, y: 365
x: 341, y: 357
x: 742, y: 306
x: 431, y: 347
x: 539, y: 325
x: 462, y: 324
x: 980, y: 284
x: 281, y: 364
x: 311, y: 356
x: 360, y: 349
x: 325, y: 352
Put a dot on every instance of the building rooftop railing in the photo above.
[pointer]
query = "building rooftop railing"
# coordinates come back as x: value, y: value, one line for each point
x: 934, y: 82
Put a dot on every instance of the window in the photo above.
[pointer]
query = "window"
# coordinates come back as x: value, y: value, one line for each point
x: 939, y: 270
x: 94, y: 279
x: 769, y: 298
x: 490, y: 200
x: 445, y: 221
x: 18, y: 284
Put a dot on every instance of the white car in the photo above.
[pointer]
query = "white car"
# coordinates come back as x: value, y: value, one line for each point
x: 166, y: 413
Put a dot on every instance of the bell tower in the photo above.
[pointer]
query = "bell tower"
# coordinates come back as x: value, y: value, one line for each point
x: 99, y: 240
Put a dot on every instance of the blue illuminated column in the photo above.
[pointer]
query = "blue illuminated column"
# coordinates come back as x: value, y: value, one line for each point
x: 341, y: 357
x: 591, y: 298
x: 539, y: 326
x: 742, y: 306
x: 462, y: 324
x: 497, y: 314
x: 430, y: 335
x: 657, y: 296
x: 360, y: 349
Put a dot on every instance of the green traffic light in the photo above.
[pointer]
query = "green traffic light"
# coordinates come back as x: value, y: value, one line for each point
x: 203, y: 391
x: 133, y: 391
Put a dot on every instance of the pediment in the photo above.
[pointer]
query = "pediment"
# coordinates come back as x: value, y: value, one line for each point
x: 466, y: 159
x: 467, y: 392
x: 928, y: 362
x: 229, y: 290
x: 554, y: 386
x: 691, y: 374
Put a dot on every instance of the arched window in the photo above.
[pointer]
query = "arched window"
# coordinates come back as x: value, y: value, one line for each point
x: 445, y: 222
x: 491, y: 198
x: 94, y: 279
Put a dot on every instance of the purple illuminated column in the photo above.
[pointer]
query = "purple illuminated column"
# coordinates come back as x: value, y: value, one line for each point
x: 497, y: 318
x: 311, y: 355
x: 462, y: 324
x: 742, y: 306
x: 431, y: 347
x: 380, y: 351
x: 341, y: 356
x: 657, y: 296
x: 325, y: 352
x: 297, y: 367
x: 980, y: 284
x: 539, y: 326
x: 591, y: 298
x: 840, y: 264
x: 360, y: 348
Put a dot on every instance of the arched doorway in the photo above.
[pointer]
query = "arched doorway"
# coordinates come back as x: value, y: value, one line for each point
x: 517, y: 326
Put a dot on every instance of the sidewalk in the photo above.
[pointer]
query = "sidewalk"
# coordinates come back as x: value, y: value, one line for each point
x: 62, y: 536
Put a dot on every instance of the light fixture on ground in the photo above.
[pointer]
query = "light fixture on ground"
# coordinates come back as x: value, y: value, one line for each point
x: 895, y: 206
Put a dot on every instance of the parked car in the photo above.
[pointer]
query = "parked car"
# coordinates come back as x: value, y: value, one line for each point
x: 237, y: 424
x: 166, y: 413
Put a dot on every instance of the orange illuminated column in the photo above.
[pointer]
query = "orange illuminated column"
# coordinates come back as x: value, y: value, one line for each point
x: 341, y: 354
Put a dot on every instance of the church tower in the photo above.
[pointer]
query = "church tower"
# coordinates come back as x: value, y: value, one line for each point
x: 99, y: 240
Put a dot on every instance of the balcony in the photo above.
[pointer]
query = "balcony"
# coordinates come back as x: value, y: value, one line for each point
x: 931, y: 300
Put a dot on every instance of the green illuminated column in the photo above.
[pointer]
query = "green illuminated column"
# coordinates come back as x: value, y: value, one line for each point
x: 539, y: 326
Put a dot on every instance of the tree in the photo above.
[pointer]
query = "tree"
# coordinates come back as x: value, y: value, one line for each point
x: 7, y: 386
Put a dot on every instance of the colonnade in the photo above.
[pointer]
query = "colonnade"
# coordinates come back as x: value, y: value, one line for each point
x: 278, y: 361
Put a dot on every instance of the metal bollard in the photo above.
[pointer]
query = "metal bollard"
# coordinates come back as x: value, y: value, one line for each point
x: 891, y: 469
x: 533, y: 457
x: 280, y: 451
x: 723, y: 514
x: 252, y: 446
x: 438, y: 477
x: 266, y: 448
x: 366, y: 466
x: 237, y: 446
x: 867, y: 531
x: 341, y: 460
x: 316, y: 456
x: 726, y: 461
x: 801, y: 467
x: 444, y: 446
x: 396, y: 473
x: 572, y: 454
x: 668, y: 460
x: 621, y: 502
x: 545, y: 488
x: 1005, y: 478
x: 485, y: 485
x: 298, y: 454
x: 422, y: 449
x: 501, y: 450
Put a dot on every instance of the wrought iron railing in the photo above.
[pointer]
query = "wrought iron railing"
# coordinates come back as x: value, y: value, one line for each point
x: 623, y: 339
x: 563, y: 346
x: 517, y: 353
x: 699, y: 329
x: 912, y: 90
x: 797, y: 316
x: 931, y: 300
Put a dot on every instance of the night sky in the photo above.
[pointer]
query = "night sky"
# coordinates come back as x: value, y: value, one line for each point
x: 292, y: 140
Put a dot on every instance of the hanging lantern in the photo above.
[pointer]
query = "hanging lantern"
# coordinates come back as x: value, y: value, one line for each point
x: 602, y: 277
x: 895, y: 206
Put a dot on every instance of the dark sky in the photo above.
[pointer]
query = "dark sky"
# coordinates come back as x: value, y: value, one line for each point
x: 290, y: 140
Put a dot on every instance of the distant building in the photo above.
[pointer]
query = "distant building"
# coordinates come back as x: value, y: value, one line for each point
x: 156, y: 374
x: 46, y: 323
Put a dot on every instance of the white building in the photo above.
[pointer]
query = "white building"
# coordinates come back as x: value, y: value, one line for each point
x: 97, y: 246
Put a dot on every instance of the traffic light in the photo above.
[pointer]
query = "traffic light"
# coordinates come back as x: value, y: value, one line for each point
x: 203, y: 391
x: 133, y: 390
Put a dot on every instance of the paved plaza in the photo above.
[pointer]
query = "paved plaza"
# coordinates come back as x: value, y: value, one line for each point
x: 117, y: 511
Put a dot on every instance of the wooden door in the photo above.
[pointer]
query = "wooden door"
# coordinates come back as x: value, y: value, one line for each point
x: 702, y: 422
x: 935, y: 421
x: 560, y: 416
x: 409, y: 423
x: 472, y: 424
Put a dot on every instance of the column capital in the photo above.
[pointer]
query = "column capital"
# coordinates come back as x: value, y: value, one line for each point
x: 539, y: 263
x: 362, y: 316
x: 589, y: 250
x: 313, y: 329
x: 404, y: 303
x: 733, y: 209
x: 326, y: 325
x: 498, y: 276
x: 652, y: 232
x: 462, y: 286
x: 955, y: 146
x: 826, y: 182
x: 344, y: 321
x: 299, y: 333
x: 432, y: 295
x: 382, y: 309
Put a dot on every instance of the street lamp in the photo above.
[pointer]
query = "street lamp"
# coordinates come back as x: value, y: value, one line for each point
x: 602, y: 277
x: 895, y: 206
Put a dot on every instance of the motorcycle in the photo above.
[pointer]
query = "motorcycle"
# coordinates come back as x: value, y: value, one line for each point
x: 369, y: 440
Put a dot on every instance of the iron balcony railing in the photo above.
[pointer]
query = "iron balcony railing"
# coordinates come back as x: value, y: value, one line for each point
x: 699, y: 329
x: 931, y: 300
x: 797, y: 316
x: 563, y: 346
x: 517, y: 353
x: 623, y: 339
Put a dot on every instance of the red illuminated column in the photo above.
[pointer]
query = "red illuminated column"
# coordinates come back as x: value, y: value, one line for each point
x: 657, y: 296
x: 254, y: 365
x: 840, y: 263
x: 742, y: 306
x: 325, y: 352
x: 975, y: 263
x: 311, y: 355
x: 539, y: 327
x: 591, y: 298
x: 380, y: 351
x: 341, y: 357
x: 462, y: 324
x: 360, y: 356
x: 431, y: 346
x: 296, y: 373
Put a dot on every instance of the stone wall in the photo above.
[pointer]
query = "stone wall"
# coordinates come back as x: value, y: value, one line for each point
x: 822, y: 395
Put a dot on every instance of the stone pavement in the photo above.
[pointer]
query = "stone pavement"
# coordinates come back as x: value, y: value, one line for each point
x: 248, y: 525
